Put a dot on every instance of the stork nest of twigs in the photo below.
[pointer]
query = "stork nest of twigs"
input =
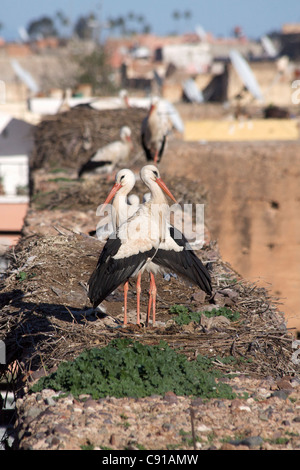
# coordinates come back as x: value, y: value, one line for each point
x: 69, y: 139
x: 45, y: 315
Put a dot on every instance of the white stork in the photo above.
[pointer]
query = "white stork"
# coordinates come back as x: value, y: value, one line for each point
x: 110, y: 155
x: 173, y: 254
x: 130, y: 249
x: 154, y: 130
x: 123, y: 207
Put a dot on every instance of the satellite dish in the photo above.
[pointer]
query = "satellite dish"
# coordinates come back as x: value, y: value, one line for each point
x: 269, y: 46
x: 23, y: 34
x: 192, y: 92
x: 24, y: 76
x: 245, y: 73
x: 165, y: 107
x: 201, y: 33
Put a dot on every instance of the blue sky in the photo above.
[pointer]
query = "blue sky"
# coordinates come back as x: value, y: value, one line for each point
x: 256, y: 17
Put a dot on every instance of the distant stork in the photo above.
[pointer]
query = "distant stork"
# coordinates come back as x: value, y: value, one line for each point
x: 130, y: 249
x: 154, y: 130
x: 107, y: 157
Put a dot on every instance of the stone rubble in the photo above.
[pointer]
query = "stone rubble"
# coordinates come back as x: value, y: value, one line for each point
x: 265, y: 416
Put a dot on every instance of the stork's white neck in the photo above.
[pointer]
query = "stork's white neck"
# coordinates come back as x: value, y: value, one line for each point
x: 120, y: 207
x: 157, y: 195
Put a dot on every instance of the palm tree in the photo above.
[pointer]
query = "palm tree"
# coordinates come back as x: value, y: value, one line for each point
x: 176, y: 17
x: 187, y: 16
x: 131, y: 15
x: 63, y: 19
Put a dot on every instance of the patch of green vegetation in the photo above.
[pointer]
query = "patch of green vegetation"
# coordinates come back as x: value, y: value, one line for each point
x: 278, y: 441
x: 291, y: 433
x: 61, y: 178
x: 237, y: 437
x: 292, y: 400
x: 185, y: 316
x: 128, y: 368
x: 187, y: 438
x: 124, y: 423
x: 140, y: 446
x: 231, y: 360
x: 88, y: 446
x: 57, y: 170
x: 211, y: 437
x: 22, y: 276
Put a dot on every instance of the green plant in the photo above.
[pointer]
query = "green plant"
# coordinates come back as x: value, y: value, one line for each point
x: 87, y: 446
x: 61, y: 179
x: 185, y: 316
x: 128, y: 368
x: 124, y: 423
x: 140, y: 446
x: 57, y: 170
x: 279, y: 441
x: 22, y: 276
x: 187, y: 438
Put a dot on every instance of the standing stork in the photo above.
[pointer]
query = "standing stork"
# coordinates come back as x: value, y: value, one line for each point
x: 154, y: 131
x: 174, y: 252
x: 123, y: 207
x: 130, y: 249
x: 110, y: 155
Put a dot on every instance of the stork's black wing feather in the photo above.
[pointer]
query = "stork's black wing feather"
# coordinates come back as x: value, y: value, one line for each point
x: 161, y: 150
x: 147, y: 150
x: 185, y: 262
x: 149, y: 154
x: 110, y: 272
x: 90, y: 166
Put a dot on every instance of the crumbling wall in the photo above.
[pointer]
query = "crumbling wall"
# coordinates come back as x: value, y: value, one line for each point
x: 253, y: 207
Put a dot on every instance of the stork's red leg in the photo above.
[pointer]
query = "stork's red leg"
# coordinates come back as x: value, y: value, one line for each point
x: 149, y: 302
x: 156, y: 156
x: 125, y: 302
x: 152, y: 299
x: 138, y: 297
x: 154, y: 290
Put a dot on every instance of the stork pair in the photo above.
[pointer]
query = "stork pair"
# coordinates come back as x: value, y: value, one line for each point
x: 143, y: 240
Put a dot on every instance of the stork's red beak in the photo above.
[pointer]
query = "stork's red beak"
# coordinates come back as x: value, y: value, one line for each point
x: 164, y: 187
x: 112, y: 193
